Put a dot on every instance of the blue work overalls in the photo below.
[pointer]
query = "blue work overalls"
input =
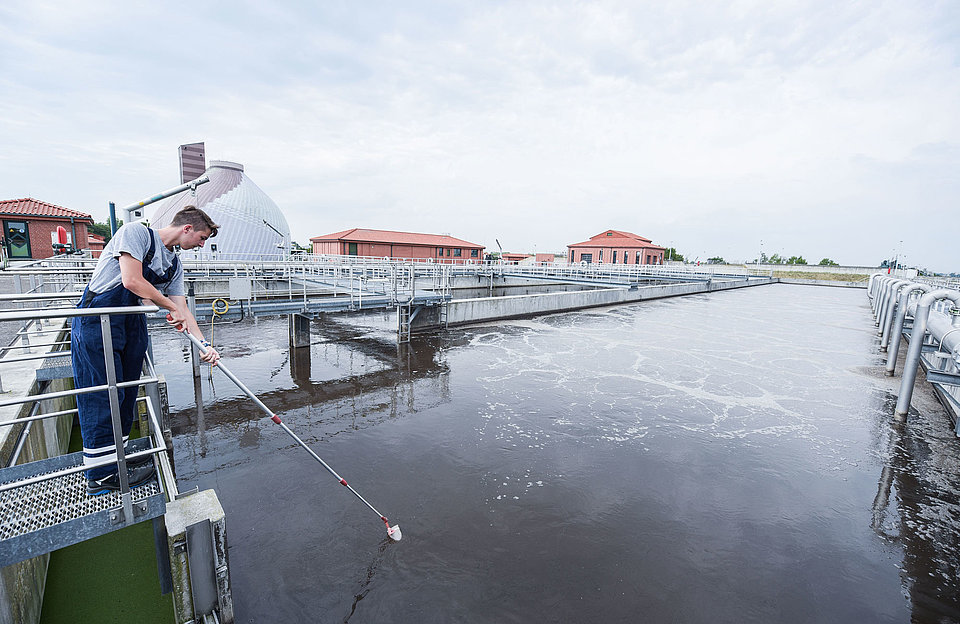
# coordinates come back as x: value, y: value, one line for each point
x: 129, y: 347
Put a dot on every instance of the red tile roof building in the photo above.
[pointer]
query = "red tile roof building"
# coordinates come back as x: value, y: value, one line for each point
x: 30, y: 227
x: 406, y: 245
x: 616, y: 247
x: 514, y: 257
x: 96, y: 244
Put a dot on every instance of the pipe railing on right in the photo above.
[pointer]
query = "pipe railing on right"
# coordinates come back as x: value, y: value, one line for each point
x: 895, y: 333
x: 916, y: 344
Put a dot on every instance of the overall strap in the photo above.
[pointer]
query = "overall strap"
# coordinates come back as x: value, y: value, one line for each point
x: 89, y: 295
x: 155, y: 278
x: 172, y: 271
x: 148, y: 257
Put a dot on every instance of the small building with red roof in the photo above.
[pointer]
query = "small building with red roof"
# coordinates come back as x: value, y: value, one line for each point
x: 30, y: 228
x: 514, y: 258
x: 616, y: 247
x: 96, y: 244
x: 397, y: 245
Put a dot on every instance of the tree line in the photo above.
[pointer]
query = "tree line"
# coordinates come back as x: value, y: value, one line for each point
x: 671, y: 254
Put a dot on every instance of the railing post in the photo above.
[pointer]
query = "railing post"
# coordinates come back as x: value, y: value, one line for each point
x: 111, y: 372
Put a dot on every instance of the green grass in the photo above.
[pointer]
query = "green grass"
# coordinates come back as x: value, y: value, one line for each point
x: 111, y: 578
x: 826, y: 277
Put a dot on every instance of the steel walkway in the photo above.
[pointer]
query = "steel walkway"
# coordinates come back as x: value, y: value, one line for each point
x: 44, y: 505
x: 47, y: 515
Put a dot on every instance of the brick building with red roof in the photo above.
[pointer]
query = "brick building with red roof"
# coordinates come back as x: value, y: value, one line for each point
x: 616, y: 247
x: 397, y: 245
x: 30, y: 228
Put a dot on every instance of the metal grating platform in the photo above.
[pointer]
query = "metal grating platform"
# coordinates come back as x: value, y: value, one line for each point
x: 43, y: 517
x: 55, y: 368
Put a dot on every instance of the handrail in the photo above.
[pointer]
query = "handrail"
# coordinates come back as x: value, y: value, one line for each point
x: 41, y: 296
x: 45, y: 313
x: 64, y: 393
x: 112, y: 386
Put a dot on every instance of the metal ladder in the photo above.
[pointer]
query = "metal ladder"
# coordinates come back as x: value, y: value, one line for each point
x: 404, y: 314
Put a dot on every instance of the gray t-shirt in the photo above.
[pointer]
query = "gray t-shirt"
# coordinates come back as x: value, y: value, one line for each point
x: 134, y: 239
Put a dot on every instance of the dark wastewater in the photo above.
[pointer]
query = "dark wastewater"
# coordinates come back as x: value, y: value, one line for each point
x: 710, y: 458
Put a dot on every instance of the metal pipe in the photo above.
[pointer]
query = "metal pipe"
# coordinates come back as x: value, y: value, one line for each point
x: 877, y: 294
x: 113, y: 218
x: 132, y: 208
x: 57, y: 296
x: 114, y: 398
x: 65, y: 393
x: 885, y: 285
x: 916, y: 345
x: 896, y: 334
x: 70, y: 312
x: 12, y: 485
x: 25, y: 431
x: 888, y: 286
x: 886, y: 316
x: 38, y: 356
x: 871, y: 284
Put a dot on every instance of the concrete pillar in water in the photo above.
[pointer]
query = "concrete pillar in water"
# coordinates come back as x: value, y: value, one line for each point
x: 300, y: 366
x: 197, y: 547
x: 299, y: 326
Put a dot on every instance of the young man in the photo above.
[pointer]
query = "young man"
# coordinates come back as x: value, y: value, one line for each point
x: 139, y: 263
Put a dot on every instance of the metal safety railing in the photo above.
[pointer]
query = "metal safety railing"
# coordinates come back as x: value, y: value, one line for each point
x: 929, y: 317
x: 311, y: 284
x: 44, y: 502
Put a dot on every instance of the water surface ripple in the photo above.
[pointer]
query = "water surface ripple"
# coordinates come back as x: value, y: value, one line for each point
x: 714, y: 458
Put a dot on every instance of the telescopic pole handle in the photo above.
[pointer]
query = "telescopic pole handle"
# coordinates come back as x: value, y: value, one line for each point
x: 226, y: 371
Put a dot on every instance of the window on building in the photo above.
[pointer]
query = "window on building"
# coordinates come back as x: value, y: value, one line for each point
x: 614, y: 256
x: 571, y: 256
x: 439, y: 251
x: 638, y: 257
x: 351, y: 249
x: 456, y: 252
x: 586, y: 257
x: 600, y: 259
x: 625, y: 256
x: 448, y: 252
x: 649, y: 259
x: 17, y: 239
x: 474, y: 253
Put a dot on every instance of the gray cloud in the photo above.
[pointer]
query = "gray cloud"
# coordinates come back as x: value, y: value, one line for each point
x: 815, y: 126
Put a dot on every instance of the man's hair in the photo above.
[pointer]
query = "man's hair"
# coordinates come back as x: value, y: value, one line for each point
x: 191, y: 215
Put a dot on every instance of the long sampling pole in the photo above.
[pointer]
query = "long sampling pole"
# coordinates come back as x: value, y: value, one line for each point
x: 392, y: 532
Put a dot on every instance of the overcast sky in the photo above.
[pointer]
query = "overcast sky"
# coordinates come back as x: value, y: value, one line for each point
x: 821, y: 128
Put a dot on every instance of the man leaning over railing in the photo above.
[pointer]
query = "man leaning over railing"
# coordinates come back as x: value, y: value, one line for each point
x: 139, y: 263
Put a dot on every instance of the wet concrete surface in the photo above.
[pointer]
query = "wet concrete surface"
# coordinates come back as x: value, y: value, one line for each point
x: 722, y: 457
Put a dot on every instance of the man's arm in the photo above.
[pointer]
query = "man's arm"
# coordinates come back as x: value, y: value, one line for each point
x: 131, y: 275
x: 191, y: 324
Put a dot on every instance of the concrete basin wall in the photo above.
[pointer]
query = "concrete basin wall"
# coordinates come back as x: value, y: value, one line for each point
x: 478, y: 310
